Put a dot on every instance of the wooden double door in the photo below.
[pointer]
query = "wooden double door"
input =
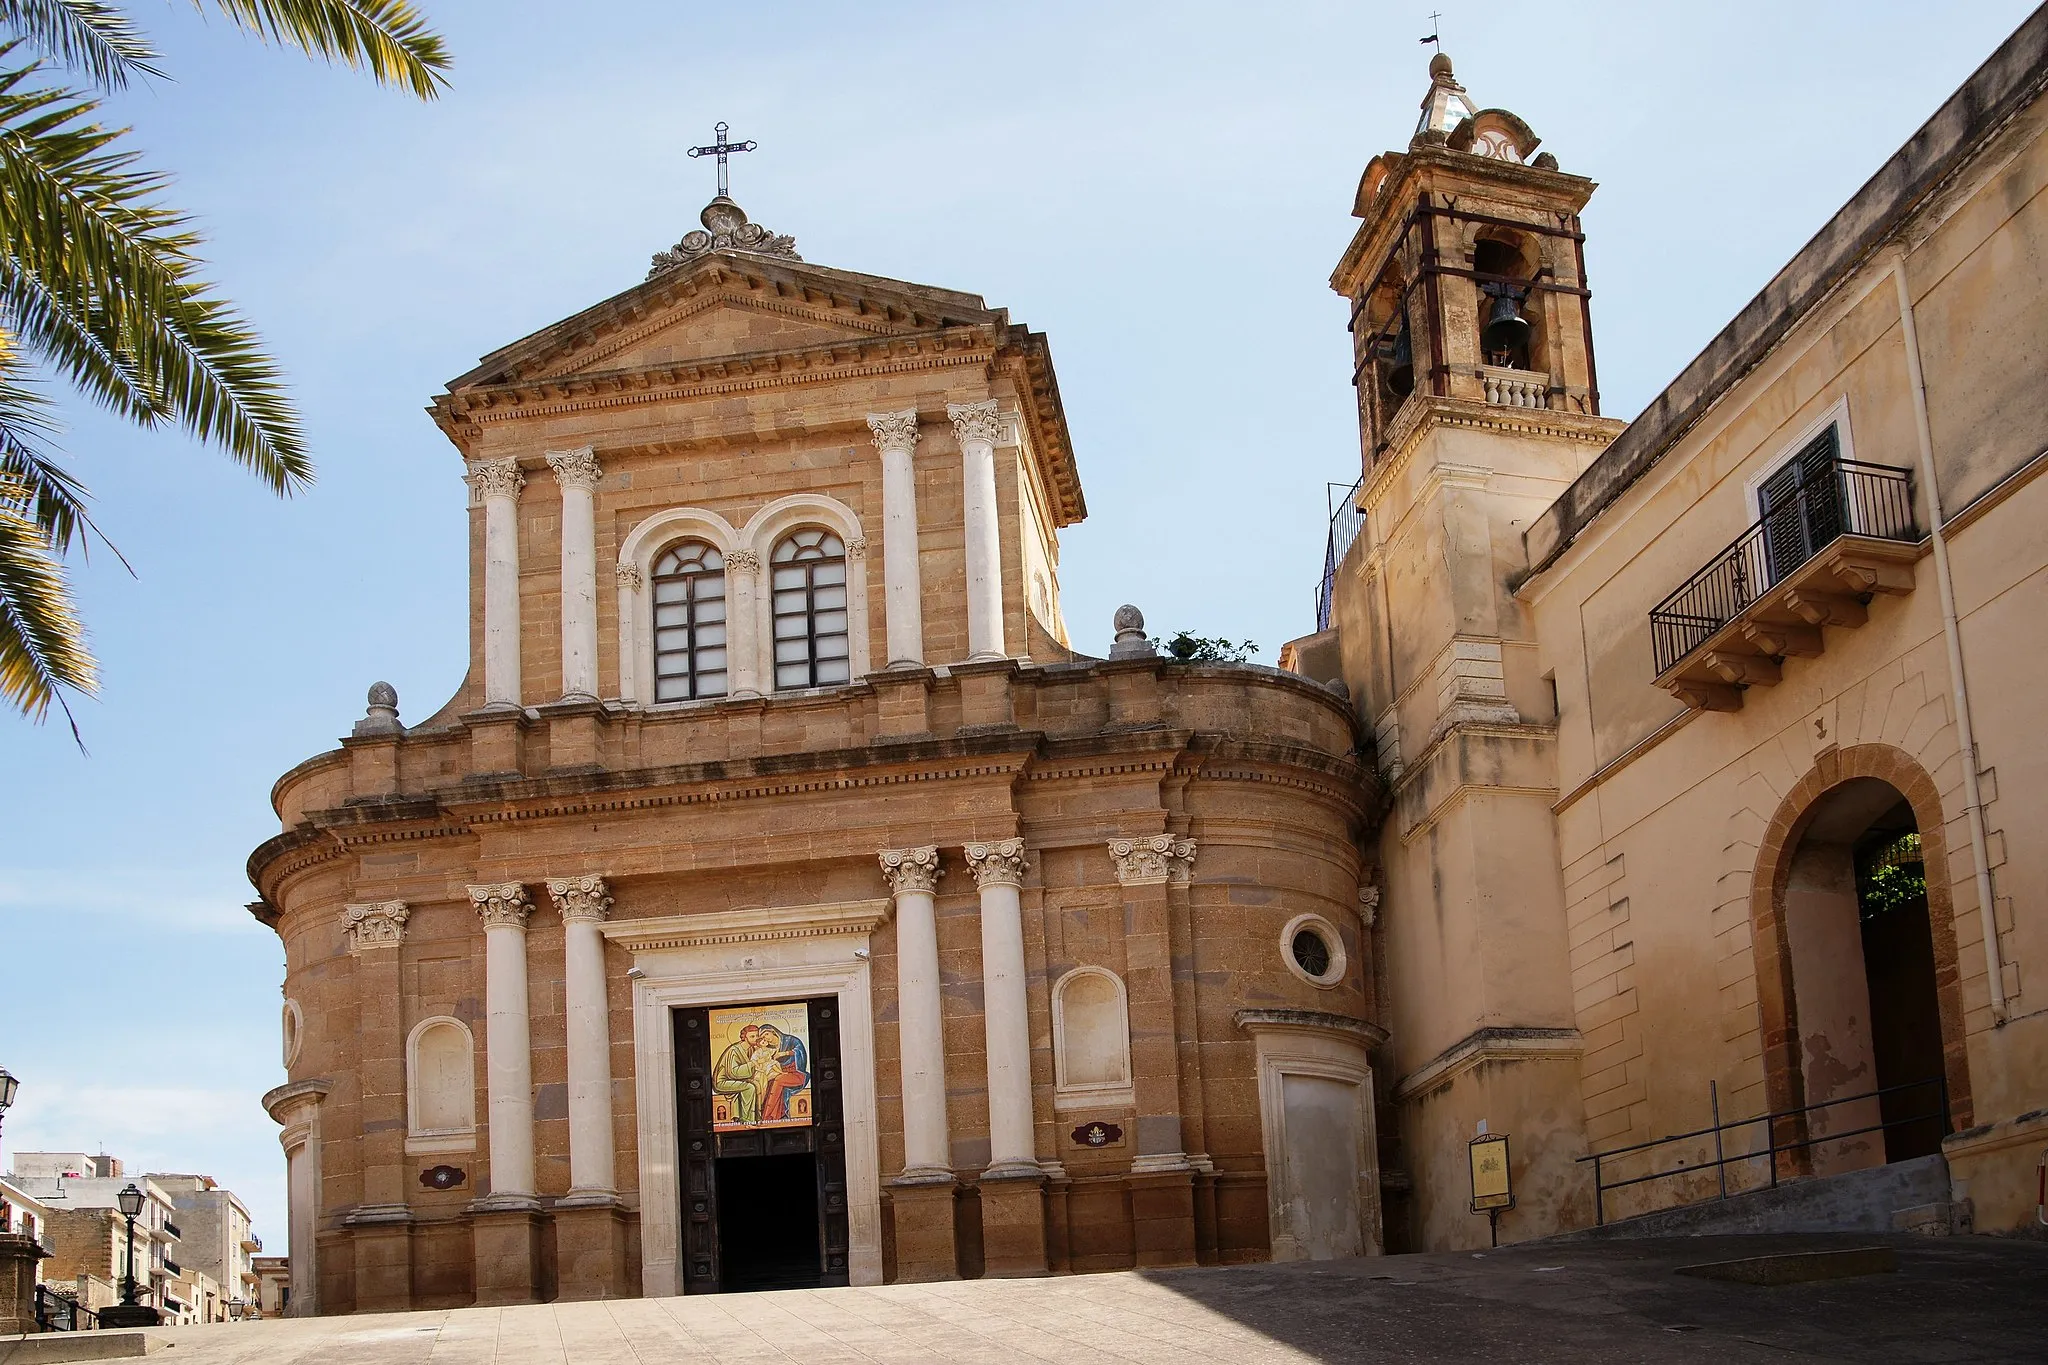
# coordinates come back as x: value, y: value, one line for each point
x: 762, y: 1134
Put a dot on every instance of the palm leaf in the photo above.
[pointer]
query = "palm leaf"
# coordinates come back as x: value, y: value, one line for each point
x: 42, y: 644
x: 85, y: 35
x: 387, y: 38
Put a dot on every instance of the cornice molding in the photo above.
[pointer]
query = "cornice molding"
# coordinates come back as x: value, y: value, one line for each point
x: 710, y: 300
x: 1421, y: 415
x: 750, y: 924
x: 1491, y: 1045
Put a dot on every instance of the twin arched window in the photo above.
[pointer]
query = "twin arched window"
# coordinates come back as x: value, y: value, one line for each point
x: 809, y: 583
x: 808, y: 611
x: 689, y: 622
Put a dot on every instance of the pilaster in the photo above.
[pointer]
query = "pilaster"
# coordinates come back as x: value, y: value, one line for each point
x: 896, y: 439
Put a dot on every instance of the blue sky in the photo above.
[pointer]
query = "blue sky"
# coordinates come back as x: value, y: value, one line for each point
x: 1162, y: 188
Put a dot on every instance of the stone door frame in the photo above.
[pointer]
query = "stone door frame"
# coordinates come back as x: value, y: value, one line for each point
x: 739, y: 957
x: 1330, y: 1047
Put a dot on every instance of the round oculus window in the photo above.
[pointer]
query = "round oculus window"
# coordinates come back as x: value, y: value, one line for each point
x: 1311, y: 953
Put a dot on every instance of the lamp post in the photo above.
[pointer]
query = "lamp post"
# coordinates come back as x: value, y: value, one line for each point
x: 8, y: 1085
x: 129, y: 1313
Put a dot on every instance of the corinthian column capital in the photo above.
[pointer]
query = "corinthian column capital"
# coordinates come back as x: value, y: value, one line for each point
x: 495, y: 478
x: 894, y: 430
x: 1152, y: 860
x: 997, y: 864
x: 501, y: 903
x: 378, y: 925
x: 975, y: 421
x: 911, y: 869
x: 575, y: 468
x: 580, y: 898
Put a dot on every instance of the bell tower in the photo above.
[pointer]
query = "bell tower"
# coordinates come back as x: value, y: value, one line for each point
x: 1478, y: 404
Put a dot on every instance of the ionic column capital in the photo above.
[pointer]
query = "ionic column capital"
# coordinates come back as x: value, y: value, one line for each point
x: 911, y: 869
x: 380, y: 924
x: 1000, y: 863
x: 976, y: 421
x: 1153, y: 860
x: 894, y: 430
x: 580, y: 899
x: 495, y: 478
x: 501, y: 904
x: 575, y: 468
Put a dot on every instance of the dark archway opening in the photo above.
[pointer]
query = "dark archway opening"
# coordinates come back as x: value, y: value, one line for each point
x: 1868, y: 1012
x: 768, y: 1223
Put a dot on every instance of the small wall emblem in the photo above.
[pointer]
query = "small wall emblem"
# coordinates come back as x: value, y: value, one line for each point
x: 443, y: 1177
x: 1098, y: 1134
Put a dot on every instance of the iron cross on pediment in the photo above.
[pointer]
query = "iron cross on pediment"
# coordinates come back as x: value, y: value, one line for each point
x: 722, y: 149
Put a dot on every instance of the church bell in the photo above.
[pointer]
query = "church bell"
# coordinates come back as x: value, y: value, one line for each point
x: 1506, y: 329
x: 1401, y: 362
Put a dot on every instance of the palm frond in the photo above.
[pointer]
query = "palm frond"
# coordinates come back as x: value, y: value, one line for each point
x: 387, y: 38
x: 42, y: 644
x: 101, y: 280
x: 85, y: 35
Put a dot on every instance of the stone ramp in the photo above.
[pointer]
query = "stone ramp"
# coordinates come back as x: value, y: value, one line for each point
x: 1855, y: 1201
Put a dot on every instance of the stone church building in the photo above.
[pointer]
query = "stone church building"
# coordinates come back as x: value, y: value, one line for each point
x: 781, y: 900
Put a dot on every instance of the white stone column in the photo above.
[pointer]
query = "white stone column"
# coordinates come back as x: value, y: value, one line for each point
x: 497, y: 483
x: 975, y: 425
x: 744, y: 648
x: 577, y: 472
x: 913, y: 874
x: 999, y: 870
x: 593, y: 1164
x: 508, y: 1039
x: 627, y: 576
x: 896, y: 439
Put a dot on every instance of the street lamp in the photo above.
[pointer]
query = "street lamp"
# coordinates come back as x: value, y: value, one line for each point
x: 8, y: 1085
x: 130, y: 1200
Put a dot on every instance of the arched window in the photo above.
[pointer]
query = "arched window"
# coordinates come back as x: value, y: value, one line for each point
x: 809, y: 583
x: 689, y: 622
x: 1091, y: 1053
x: 440, y: 1089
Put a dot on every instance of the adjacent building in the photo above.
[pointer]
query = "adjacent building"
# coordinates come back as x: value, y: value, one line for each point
x: 1711, y: 738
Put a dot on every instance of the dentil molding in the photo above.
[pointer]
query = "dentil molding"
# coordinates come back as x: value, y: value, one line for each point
x: 911, y: 869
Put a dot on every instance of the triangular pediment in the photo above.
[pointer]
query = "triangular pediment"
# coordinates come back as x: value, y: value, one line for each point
x: 727, y: 305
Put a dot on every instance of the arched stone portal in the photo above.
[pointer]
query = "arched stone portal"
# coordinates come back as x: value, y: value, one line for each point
x: 1857, y: 978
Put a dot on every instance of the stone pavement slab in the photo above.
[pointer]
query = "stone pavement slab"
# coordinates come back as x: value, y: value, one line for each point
x: 1963, y: 1299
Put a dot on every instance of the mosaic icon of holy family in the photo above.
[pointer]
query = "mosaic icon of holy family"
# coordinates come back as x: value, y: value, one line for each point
x: 760, y: 1067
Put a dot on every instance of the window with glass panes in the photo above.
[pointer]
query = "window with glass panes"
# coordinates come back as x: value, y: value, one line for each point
x: 689, y: 622
x: 809, y: 582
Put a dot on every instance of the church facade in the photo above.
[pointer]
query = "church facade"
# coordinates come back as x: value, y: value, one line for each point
x: 780, y: 901
x: 1713, y: 738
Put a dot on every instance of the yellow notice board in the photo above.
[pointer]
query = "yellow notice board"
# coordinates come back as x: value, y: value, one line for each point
x: 1492, y: 1186
x: 760, y: 1067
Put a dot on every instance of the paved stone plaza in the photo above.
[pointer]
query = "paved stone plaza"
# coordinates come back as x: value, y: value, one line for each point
x: 1952, y: 1300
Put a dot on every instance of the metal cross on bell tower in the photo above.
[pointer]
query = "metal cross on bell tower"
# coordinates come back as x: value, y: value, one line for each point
x: 722, y: 149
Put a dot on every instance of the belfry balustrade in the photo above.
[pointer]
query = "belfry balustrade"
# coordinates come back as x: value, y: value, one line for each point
x: 1831, y: 537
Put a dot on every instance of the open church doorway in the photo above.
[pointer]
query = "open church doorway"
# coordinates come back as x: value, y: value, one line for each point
x: 762, y: 1138
x: 1862, y: 1067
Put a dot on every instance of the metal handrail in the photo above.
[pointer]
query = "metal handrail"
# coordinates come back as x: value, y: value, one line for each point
x: 1842, y: 497
x: 60, y: 1313
x: 1345, y: 523
x: 1771, y: 1146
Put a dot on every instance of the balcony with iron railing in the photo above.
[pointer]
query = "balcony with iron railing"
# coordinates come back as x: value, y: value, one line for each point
x: 1345, y: 523
x: 1840, y: 535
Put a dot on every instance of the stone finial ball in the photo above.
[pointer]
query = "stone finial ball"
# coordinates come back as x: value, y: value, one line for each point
x: 383, y: 694
x: 1440, y: 65
x: 1129, y: 617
